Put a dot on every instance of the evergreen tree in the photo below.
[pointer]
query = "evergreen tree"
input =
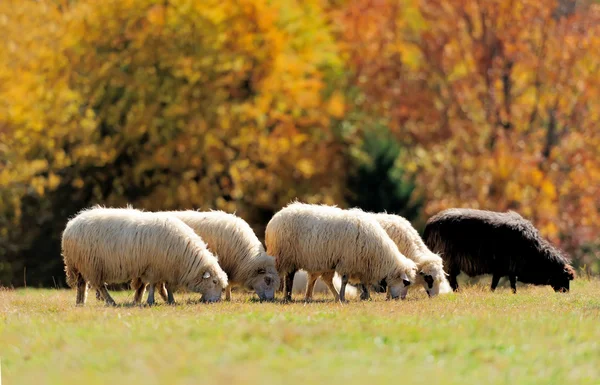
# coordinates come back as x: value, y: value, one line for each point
x: 379, y: 184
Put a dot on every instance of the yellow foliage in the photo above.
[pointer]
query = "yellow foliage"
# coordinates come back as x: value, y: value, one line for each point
x: 548, y: 189
x: 156, y: 15
x: 305, y: 166
x: 214, y: 104
x: 336, y: 105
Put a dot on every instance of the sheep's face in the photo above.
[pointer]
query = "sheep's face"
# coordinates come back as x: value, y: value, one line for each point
x: 560, y: 283
x: 264, y: 281
x: 398, y: 286
x: 209, y: 285
x: 434, y: 286
x: 434, y: 280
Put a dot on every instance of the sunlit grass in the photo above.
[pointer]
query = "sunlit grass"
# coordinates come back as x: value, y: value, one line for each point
x: 536, y: 336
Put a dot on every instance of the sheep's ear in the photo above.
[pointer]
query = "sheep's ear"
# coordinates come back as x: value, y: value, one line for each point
x: 206, y: 275
x: 570, y: 272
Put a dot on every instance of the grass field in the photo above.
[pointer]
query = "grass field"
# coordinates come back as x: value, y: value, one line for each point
x: 536, y: 336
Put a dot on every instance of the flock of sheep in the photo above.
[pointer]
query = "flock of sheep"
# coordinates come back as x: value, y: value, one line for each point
x: 208, y: 252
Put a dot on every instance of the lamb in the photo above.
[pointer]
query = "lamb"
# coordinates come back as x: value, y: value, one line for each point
x: 241, y: 255
x: 325, y: 239
x: 487, y: 242
x: 114, y: 245
x: 430, y: 266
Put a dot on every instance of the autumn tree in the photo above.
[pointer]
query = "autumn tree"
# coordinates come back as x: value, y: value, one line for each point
x: 233, y: 105
x: 497, y: 102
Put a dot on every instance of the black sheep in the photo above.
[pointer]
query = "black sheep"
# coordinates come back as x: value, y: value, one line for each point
x: 487, y: 242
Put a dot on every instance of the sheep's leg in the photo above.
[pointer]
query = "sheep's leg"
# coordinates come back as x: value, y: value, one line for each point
x: 328, y: 279
x: 513, y: 283
x: 495, y: 280
x: 310, y: 286
x: 106, y: 296
x: 453, y: 278
x: 150, y: 300
x: 81, y: 290
x: 170, y: 298
x: 381, y: 286
x: 343, y: 288
x: 228, y: 293
x: 289, y: 283
x: 140, y: 288
x: 99, y: 296
x: 162, y: 291
x: 365, y: 292
x: 139, y: 294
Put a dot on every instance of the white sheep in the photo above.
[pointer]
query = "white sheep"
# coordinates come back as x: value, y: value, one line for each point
x: 325, y: 239
x: 110, y: 245
x: 241, y: 254
x: 430, y: 266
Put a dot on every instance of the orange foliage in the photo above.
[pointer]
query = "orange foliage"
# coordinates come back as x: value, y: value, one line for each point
x: 497, y: 102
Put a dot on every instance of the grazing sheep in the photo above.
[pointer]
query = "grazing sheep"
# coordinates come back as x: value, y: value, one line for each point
x: 109, y: 245
x: 430, y: 266
x: 487, y: 242
x: 325, y: 239
x: 240, y: 253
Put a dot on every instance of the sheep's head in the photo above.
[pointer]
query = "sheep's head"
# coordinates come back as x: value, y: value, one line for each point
x: 433, y: 278
x: 560, y: 282
x: 263, y: 278
x: 210, y: 283
x: 399, y: 283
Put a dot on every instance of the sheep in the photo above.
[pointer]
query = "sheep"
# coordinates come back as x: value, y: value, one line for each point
x: 241, y: 255
x: 325, y: 239
x: 114, y: 245
x: 487, y: 242
x: 430, y: 266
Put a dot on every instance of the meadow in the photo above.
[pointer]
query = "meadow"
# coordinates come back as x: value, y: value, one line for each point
x: 475, y: 336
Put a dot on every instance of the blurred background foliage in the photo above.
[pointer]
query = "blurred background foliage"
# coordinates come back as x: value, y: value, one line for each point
x: 244, y: 105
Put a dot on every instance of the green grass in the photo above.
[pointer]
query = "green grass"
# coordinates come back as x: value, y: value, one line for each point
x: 536, y: 336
